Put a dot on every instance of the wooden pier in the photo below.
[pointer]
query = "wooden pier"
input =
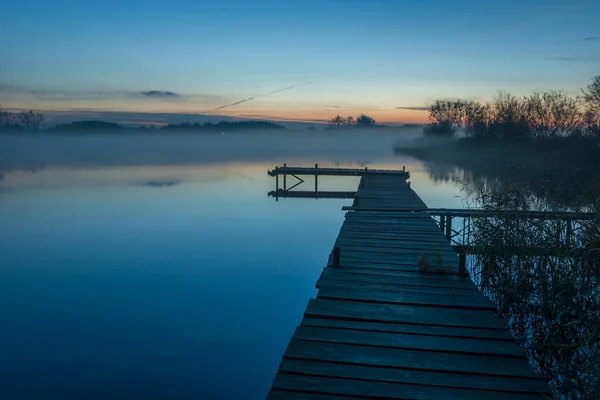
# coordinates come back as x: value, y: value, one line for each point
x: 395, y: 317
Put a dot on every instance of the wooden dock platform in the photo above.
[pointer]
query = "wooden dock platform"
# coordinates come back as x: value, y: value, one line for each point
x: 393, y: 319
x: 285, y: 170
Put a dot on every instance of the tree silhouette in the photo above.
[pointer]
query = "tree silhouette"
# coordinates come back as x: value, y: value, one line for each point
x: 31, y: 120
x: 364, y: 121
x: 592, y: 95
x: 350, y: 122
x: 337, y: 122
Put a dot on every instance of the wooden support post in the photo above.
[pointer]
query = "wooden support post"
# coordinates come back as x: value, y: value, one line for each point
x: 569, y: 233
x: 449, y: 228
x: 284, y: 179
x: 316, y: 180
x: 558, y: 233
x: 276, y: 179
x: 355, y: 201
x: 362, y: 182
x: 404, y: 168
x: 442, y: 223
x: 335, y: 262
x: 408, y: 184
x: 462, y: 263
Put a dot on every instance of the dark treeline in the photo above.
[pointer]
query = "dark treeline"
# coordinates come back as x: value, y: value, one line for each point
x: 223, y: 126
x: 31, y: 121
x: 23, y: 121
x: 536, y: 117
x: 550, y: 140
x: 362, y: 121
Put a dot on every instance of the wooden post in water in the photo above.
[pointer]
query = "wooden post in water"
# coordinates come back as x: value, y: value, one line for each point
x: 442, y: 222
x: 316, y: 180
x: 462, y: 263
x: 558, y: 233
x: 284, y: 179
x: 449, y: 228
x: 404, y: 168
x: 276, y: 179
x: 335, y: 262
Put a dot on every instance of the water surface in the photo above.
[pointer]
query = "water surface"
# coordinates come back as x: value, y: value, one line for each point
x: 153, y: 267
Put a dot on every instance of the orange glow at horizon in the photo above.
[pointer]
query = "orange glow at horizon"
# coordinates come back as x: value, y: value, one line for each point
x: 290, y: 112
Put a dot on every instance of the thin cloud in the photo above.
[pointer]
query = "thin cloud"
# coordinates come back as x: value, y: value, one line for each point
x: 160, y: 93
x: 413, y: 108
x: 328, y: 106
x: 589, y: 38
x: 57, y: 95
x: 161, y: 183
x: 586, y: 58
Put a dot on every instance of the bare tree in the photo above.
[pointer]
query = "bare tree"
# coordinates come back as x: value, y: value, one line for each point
x: 591, y: 96
x: 350, y: 122
x: 31, y: 120
x: 551, y: 114
x: 337, y: 122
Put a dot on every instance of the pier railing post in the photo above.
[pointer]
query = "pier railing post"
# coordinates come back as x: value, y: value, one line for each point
x: 316, y: 180
x: 449, y: 228
x: 462, y: 263
x: 442, y: 223
x: 276, y: 179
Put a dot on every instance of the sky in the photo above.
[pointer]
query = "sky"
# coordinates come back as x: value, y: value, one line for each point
x: 290, y: 60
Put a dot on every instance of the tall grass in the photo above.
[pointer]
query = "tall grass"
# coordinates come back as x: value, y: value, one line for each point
x: 550, y: 299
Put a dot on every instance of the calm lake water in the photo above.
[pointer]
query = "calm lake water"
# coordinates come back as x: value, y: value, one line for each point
x: 155, y: 267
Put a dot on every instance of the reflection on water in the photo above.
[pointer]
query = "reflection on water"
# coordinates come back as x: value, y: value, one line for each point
x: 148, y: 280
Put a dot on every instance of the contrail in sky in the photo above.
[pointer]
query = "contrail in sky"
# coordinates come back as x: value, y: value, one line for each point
x: 261, y: 95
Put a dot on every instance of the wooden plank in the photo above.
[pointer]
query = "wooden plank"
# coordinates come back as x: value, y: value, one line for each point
x: 411, y: 236
x: 416, y: 233
x: 393, y: 244
x: 411, y: 359
x: 287, y: 395
x: 439, y: 344
x: 399, y: 277
x: 426, y: 378
x: 453, y: 299
x: 385, y: 390
x: 397, y: 265
x: 396, y: 241
x: 395, y: 277
x: 410, y: 263
x: 443, y: 331
x: 432, y: 228
x: 392, y: 215
x: 375, y: 255
x: 405, y: 287
x: 320, y: 308
x: 446, y: 252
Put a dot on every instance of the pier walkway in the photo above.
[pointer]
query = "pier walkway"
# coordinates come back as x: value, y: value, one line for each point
x: 394, y: 319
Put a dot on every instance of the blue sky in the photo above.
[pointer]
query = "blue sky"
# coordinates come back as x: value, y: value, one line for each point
x: 335, y: 56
